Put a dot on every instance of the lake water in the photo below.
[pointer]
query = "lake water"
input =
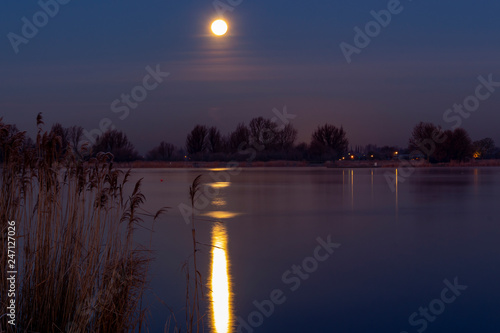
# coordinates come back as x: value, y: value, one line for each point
x: 394, y: 255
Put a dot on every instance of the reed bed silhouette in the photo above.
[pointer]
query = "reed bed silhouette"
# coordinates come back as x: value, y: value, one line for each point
x: 79, y: 268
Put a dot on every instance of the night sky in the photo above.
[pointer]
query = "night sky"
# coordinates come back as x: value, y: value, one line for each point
x: 276, y: 53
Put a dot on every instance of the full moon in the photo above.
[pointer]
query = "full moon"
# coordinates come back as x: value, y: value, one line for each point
x: 219, y: 27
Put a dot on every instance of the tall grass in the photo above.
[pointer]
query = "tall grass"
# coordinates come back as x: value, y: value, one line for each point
x: 79, y: 269
x: 194, y: 316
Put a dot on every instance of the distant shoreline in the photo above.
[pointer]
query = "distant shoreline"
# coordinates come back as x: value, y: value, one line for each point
x: 302, y: 164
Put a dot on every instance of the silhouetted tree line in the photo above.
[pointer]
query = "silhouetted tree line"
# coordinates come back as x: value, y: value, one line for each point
x: 71, y: 140
x: 438, y: 145
x: 112, y: 141
x: 264, y: 140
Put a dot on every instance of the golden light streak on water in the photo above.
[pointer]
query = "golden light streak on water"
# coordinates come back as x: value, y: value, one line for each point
x: 220, y: 282
x: 218, y: 169
x: 219, y: 184
x: 219, y: 202
x: 221, y: 214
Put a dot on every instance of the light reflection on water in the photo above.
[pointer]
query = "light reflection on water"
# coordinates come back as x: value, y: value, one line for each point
x: 219, y: 202
x: 220, y: 279
x: 221, y: 214
x: 406, y: 236
x: 220, y: 282
x: 219, y: 184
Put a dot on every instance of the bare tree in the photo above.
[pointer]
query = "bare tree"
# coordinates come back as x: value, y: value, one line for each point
x: 116, y: 143
x: 239, y: 136
x: 456, y: 146
x: 263, y: 131
x: 460, y: 145
x: 75, y: 134
x: 196, y: 141
x: 329, y: 141
x: 214, y: 140
x: 8, y: 135
x: 425, y: 137
x: 164, y: 152
x: 286, y: 137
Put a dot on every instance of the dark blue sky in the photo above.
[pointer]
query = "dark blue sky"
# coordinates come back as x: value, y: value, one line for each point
x: 276, y: 53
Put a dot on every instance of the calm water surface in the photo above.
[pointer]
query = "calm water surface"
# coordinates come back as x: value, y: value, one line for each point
x: 394, y: 250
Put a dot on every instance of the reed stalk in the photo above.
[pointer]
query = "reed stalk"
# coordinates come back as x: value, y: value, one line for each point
x: 79, y: 268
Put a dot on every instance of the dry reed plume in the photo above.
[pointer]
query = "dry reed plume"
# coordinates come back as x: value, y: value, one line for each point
x: 79, y: 269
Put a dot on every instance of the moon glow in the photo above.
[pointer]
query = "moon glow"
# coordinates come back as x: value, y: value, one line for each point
x: 219, y: 27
